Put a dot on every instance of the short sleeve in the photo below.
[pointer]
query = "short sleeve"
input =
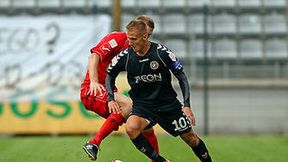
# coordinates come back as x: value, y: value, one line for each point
x: 111, y: 43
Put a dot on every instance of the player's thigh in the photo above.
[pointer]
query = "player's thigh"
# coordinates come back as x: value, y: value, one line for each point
x: 174, y: 122
x: 136, y: 122
x: 124, y: 102
x: 97, y: 104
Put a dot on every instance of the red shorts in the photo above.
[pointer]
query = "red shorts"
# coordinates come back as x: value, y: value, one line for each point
x: 97, y: 104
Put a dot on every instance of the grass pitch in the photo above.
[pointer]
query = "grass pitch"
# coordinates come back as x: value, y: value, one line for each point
x: 69, y: 149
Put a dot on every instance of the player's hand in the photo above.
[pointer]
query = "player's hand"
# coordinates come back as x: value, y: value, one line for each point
x: 94, y: 87
x: 188, y: 112
x: 114, y: 107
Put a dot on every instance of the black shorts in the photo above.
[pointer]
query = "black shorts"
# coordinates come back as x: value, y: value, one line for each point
x: 169, y: 116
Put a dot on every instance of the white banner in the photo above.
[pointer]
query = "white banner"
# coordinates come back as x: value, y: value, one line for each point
x: 45, y: 57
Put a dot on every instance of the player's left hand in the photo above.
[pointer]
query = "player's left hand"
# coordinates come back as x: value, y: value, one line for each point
x: 114, y: 107
x: 188, y: 112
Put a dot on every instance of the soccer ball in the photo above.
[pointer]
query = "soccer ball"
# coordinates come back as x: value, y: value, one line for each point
x: 116, y: 161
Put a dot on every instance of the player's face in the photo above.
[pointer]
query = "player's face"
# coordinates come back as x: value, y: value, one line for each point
x: 137, y: 40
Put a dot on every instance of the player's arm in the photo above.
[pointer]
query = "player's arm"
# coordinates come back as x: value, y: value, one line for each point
x: 115, y: 67
x: 113, y: 106
x: 184, y: 85
x: 177, y: 69
x: 95, y: 86
x: 101, y: 50
x: 110, y: 86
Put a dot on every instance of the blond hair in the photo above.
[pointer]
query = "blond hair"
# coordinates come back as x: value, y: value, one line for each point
x: 138, y: 26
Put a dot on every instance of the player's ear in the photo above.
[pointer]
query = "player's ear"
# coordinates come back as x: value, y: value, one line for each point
x: 145, y: 36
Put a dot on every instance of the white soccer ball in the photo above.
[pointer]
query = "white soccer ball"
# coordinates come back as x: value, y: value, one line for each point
x: 116, y: 161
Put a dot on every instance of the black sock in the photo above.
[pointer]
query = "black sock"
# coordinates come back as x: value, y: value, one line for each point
x: 201, y: 152
x: 143, y: 145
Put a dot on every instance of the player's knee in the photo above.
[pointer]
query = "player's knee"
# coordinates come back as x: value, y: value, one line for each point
x: 126, y: 110
x: 126, y: 107
x: 133, y: 128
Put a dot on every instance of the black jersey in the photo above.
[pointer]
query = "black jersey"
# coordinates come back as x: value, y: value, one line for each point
x: 149, y: 76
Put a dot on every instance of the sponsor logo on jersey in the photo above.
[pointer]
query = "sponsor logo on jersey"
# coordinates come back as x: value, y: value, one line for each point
x: 154, y: 65
x: 150, y: 78
x: 113, y: 43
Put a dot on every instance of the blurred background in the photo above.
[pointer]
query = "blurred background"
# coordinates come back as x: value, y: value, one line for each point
x: 234, y: 53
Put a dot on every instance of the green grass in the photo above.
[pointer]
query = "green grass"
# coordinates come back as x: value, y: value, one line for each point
x: 69, y: 149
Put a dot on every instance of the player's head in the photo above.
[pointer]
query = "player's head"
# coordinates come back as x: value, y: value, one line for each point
x: 148, y: 21
x: 137, y: 35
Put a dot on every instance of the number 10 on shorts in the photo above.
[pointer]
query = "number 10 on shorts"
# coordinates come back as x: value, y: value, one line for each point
x: 180, y: 124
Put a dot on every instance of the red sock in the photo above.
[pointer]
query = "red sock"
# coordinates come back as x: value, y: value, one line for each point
x: 150, y: 135
x: 112, y: 123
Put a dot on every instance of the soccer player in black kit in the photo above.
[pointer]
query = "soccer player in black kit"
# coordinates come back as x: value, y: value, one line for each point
x: 148, y: 67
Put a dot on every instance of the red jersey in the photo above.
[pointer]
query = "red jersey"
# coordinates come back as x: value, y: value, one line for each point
x: 107, y: 48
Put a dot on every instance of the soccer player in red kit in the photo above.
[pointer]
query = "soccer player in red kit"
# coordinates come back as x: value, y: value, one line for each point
x: 93, y: 91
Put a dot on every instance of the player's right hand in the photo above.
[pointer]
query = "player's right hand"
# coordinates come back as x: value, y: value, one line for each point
x: 94, y: 87
x: 114, y: 107
x: 188, y: 112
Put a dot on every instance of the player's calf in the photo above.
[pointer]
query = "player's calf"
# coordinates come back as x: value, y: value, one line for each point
x: 197, y: 145
x: 144, y: 146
